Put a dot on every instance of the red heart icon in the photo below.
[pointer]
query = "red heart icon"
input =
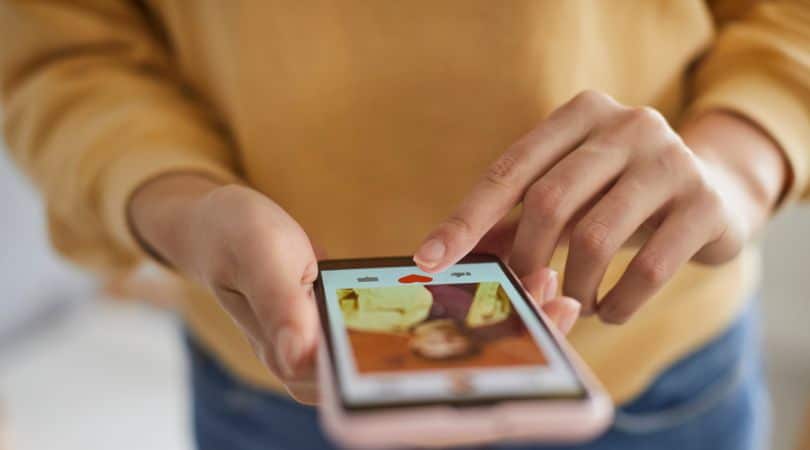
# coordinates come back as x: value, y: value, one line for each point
x: 414, y: 278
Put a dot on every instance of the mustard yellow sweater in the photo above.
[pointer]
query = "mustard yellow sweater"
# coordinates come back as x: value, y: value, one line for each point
x: 368, y: 120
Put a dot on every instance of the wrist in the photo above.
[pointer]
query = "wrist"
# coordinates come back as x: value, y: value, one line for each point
x: 161, y: 213
x: 747, y: 166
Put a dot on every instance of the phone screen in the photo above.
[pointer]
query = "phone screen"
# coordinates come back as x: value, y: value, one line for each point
x: 399, y: 336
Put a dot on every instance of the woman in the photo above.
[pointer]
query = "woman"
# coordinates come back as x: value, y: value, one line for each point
x: 645, y: 142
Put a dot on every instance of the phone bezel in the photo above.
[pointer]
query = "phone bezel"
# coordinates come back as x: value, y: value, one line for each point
x: 404, y: 261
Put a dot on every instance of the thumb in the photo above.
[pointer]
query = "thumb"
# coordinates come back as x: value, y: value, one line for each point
x: 563, y: 312
x: 543, y: 285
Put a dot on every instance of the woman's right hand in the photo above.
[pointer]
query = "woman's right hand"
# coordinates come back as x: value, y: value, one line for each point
x: 251, y: 254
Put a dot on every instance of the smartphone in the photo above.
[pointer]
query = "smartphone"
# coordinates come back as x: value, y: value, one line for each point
x: 454, y: 358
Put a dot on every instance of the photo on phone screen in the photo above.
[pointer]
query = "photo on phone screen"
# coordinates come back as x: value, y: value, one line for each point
x: 401, y: 336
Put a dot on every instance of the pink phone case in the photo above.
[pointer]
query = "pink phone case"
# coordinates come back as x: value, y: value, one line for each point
x: 441, y: 426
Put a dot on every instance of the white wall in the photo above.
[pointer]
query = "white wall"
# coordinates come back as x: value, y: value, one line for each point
x: 786, y: 307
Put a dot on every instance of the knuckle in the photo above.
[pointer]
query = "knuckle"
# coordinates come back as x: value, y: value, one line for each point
x: 676, y: 159
x: 543, y: 203
x: 244, y: 219
x: 591, y: 97
x: 246, y: 211
x: 647, y: 117
x: 254, y: 240
x: 457, y: 230
x: 647, y: 124
x: 459, y: 224
x: 593, y: 238
x: 503, y: 171
x: 651, y: 268
x: 590, y: 103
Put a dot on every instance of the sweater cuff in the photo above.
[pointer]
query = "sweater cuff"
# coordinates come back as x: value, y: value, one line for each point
x: 128, y: 173
x: 774, y: 107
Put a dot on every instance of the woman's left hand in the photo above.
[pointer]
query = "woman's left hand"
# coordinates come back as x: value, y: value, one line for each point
x: 601, y: 171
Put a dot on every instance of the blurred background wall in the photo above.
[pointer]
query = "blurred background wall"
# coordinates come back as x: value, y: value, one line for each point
x: 78, y: 371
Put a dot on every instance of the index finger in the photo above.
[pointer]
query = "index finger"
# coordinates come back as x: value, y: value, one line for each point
x: 276, y: 275
x: 508, y: 177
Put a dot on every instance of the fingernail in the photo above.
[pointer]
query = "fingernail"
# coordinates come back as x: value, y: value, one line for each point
x: 289, y: 348
x: 554, y: 317
x: 568, y: 320
x: 430, y: 253
x: 550, y: 288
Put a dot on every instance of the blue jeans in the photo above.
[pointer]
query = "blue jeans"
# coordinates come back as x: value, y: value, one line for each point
x: 713, y: 399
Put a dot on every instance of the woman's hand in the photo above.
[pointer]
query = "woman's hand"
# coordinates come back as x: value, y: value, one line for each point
x: 251, y: 254
x: 260, y: 264
x: 601, y: 171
